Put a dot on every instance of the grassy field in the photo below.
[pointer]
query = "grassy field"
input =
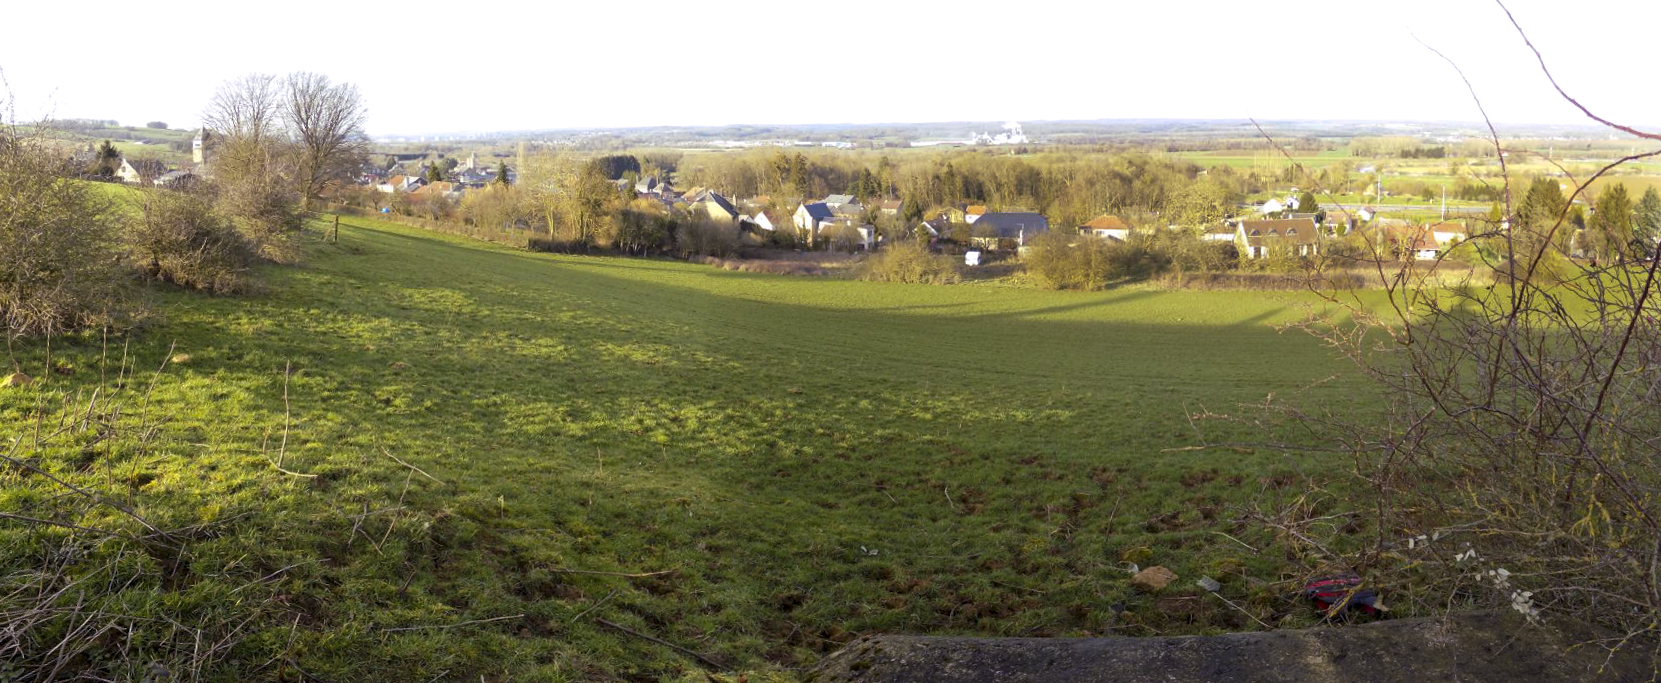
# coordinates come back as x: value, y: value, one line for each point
x: 1267, y: 159
x: 804, y: 460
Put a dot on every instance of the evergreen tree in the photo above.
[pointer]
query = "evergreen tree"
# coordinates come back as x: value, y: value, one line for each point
x: 435, y: 173
x: 1538, y: 216
x: 502, y: 173
x: 799, y: 180
x: 862, y: 185
x: 106, y: 160
x: 1307, y: 203
x: 1543, y: 204
x: 1612, y: 223
x: 1646, y: 222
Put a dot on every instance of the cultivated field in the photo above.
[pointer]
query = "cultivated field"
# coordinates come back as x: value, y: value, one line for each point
x: 779, y: 464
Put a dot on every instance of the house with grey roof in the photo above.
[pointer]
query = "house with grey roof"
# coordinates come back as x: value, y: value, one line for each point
x: 1005, y: 227
x: 809, y: 216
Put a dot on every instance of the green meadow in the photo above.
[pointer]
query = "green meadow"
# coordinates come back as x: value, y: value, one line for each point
x: 493, y: 462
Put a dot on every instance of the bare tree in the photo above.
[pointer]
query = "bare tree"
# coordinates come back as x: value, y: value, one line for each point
x: 325, y: 121
x: 1517, y: 459
x: 246, y: 107
x: 245, y: 115
x: 252, y: 165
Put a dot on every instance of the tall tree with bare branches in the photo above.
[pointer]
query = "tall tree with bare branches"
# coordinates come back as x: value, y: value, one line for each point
x: 325, y: 123
x: 246, y: 116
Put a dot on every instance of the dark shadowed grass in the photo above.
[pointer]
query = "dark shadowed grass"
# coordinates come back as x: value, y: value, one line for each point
x: 806, y: 459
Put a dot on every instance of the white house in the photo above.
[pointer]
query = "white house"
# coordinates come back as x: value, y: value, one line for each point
x: 1260, y: 239
x: 1447, y: 233
x: 1106, y: 227
x: 808, y: 217
x: 764, y: 220
x: 1222, y: 232
x: 400, y: 183
x: 1271, y: 206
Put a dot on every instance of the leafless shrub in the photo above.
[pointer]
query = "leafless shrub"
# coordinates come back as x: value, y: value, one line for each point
x: 180, y: 238
x: 1517, y: 459
x: 909, y: 261
x: 700, y: 236
x: 771, y: 267
x: 267, y: 213
x: 59, y: 265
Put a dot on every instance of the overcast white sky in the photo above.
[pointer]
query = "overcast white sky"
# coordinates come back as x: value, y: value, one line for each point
x: 500, y: 65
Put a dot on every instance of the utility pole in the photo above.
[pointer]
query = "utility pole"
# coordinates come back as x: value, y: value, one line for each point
x: 1444, y: 203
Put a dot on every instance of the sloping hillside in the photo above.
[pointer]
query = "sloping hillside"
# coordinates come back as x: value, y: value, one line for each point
x: 495, y: 462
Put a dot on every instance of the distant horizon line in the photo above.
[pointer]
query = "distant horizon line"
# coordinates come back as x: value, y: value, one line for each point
x: 1587, y: 125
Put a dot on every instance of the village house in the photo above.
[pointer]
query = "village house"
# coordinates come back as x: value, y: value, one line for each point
x: 649, y: 185
x: 441, y: 188
x: 1426, y: 247
x: 1261, y: 239
x: 766, y: 219
x: 974, y: 213
x: 940, y: 226
x: 1222, y: 232
x: 1106, y: 227
x: 1411, y: 242
x: 891, y: 207
x: 808, y: 217
x: 1007, y: 229
x: 715, y: 206
x: 400, y: 183
x: 175, y: 179
x: 139, y: 171
x: 1339, y: 222
x: 1448, y: 232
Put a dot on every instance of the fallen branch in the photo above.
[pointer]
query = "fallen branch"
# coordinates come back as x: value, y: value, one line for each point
x: 596, y: 606
x: 1238, y: 608
x: 66, y: 525
x: 1236, y: 540
x: 417, y: 469
x: 291, y: 473
x: 662, y: 642
x: 624, y: 575
x: 455, y: 625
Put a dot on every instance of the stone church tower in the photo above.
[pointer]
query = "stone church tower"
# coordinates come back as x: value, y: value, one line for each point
x: 200, y: 146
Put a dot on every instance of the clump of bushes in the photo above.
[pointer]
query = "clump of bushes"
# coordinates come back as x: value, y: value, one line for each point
x: 267, y: 214
x: 60, y: 264
x: 702, y: 237
x: 69, y: 253
x: 911, y: 262
x: 179, y: 238
x: 1060, y: 261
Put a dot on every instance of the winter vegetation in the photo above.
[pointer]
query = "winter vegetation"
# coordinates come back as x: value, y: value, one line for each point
x: 312, y: 408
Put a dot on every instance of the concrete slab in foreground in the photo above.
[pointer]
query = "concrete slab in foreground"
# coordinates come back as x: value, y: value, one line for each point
x: 1476, y: 648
